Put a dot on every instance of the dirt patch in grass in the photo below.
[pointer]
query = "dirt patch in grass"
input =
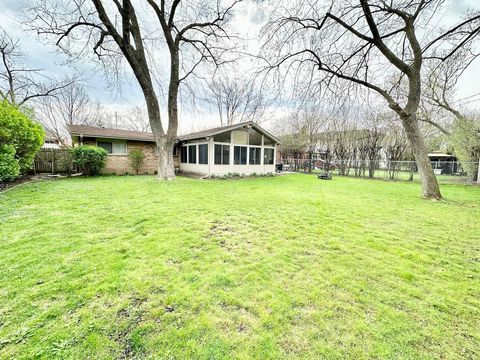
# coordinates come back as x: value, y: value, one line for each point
x: 128, y: 319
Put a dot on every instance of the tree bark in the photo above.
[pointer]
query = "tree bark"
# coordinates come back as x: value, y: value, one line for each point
x: 166, y: 168
x: 430, y: 188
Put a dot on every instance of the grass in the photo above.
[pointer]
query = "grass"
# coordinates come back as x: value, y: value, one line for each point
x: 400, y: 175
x: 267, y: 268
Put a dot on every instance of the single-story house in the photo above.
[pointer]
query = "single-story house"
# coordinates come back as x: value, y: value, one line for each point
x: 243, y: 148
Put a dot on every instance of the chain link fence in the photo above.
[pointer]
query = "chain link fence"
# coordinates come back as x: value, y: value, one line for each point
x: 445, y: 171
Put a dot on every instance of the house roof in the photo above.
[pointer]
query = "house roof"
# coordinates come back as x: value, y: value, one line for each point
x: 221, y: 129
x: 84, y: 130
x: 435, y: 154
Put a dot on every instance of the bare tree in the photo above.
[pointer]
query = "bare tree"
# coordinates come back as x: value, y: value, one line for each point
x: 358, y: 42
x: 134, y: 118
x: 236, y: 100
x: 440, y: 85
x: 343, y: 137
x: 19, y: 83
x: 189, y: 33
x: 70, y: 106
x: 396, y: 146
x: 376, y: 129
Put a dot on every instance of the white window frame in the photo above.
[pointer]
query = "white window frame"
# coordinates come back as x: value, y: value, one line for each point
x: 229, y: 153
x: 198, y: 152
x: 268, y: 148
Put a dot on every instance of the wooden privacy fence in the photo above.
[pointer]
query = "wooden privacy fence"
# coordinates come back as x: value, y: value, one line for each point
x: 48, y: 161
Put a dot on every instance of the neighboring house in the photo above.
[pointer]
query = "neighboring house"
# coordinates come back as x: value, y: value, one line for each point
x: 243, y: 148
x: 51, y: 141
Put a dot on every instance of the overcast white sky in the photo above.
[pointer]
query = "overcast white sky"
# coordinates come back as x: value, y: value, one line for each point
x: 248, y: 21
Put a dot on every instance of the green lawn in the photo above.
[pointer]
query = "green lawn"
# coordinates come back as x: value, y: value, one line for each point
x: 284, y: 267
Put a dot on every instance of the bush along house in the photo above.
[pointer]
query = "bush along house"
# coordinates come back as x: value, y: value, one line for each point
x: 243, y: 148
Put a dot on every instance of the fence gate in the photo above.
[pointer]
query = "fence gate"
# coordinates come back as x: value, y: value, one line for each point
x: 47, y: 161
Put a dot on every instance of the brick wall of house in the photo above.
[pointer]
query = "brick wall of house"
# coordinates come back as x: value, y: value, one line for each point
x: 119, y: 164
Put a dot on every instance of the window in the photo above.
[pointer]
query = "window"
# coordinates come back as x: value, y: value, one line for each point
x: 183, y: 154
x: 255, y: 156
x: 240, y: 155
x: 222, y: 154
x: 119, y: 148
x: 254, y: 137
x: 268, y: 142
x: 268, y: 156
x: 203, y: 154
x: 223, y: 137
x: 105, y: 145
x: 240, y: 137
x: 192, y: 154
x: 113, y: 147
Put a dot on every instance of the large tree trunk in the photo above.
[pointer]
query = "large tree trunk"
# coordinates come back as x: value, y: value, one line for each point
x: 164, y: 141
x: 166, y: 168
x: 430, y: 188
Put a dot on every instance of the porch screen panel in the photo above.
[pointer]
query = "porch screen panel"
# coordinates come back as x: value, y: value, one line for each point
x: 203, y: 154
x: 255, y: 156
x: 240, y: 155
x: 268, y: 157
x: 183, y: 154
x: 254, y: 137
x: 222, y: 154
x: 226, y: 154
x: 192, y: 154
x: 267, y: 141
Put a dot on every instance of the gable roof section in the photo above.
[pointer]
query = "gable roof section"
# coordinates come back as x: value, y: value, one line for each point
x: 91, y: 131
x: 222, y: 129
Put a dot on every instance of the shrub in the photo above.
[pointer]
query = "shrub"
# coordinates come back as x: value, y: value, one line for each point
x: 20, y: 138
x: 9, y: 167
x: 66, y: 162
x: 136, y: 158
x: 89, y: 159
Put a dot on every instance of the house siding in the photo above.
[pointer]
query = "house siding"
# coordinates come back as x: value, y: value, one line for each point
x: 215, y: 169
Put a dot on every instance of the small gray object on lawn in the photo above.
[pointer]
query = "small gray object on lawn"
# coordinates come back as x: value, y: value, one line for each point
x: 325, y: 176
